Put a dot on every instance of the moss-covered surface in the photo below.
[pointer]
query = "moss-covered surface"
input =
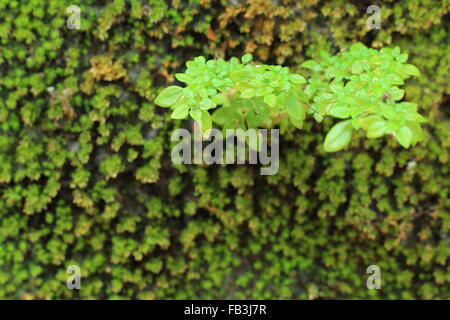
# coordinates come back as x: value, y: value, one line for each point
x: 86, y: 176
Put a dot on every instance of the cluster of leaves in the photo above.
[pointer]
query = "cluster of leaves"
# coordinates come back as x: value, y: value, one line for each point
x: 360, y: 85
x: 249, y: 95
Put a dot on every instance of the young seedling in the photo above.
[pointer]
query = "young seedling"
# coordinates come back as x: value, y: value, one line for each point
x: 359, y: 86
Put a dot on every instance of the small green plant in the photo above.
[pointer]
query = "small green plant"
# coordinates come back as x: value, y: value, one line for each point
x: 359, y: 86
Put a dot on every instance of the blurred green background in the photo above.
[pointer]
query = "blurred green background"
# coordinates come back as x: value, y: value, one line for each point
x: 86, y: 177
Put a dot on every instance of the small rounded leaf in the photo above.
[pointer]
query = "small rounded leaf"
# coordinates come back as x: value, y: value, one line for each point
x: 296, y: 78
x: 182, y: 77
x: 203, y: 119
x: 226, y: 115
x: 169, y: 96
x: 207, y: 104
x: 206, y: 123
x: 240, y: 75
x: 297, y: 123
x: 219, y: 98
x: 270, y: 99
x: 217, y: 83
x: 248, y: 93
x: 376, y: 129
x: 411, y: 70
x: 404, y: 136
x: 402, y: 58
x: 357, y: 66
x: 196, y: 114
x: 246, y: 58
x: 340, y: 111
x: 309, y: 64
x: 339, y: 136
x: 180, y: 112
x: 294, y: 108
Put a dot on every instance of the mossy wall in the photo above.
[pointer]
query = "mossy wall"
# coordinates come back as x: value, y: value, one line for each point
x: 86, y: 176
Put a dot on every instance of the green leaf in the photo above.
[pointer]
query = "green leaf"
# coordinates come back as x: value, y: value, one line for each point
x: 385, y: 64
x: 366, y: 122
x: 356, y: 47
x: 203, y: 119
x: 226, y: 115
x: 336, y: 87
x: 270, y: 99
x: 188, y: 93
x: 386, y: 51
x: 248, y: 93
x: 396, y: 52
x: 255, y: 120
x: 206, y: 123
x: 404, y: 136
x: 217, y: 82
x: 296, y: 123
x: 181, y: 102
x: 196, y: 114
x: 200, y: 60
x: 169, y: 96
x: 246, y: 58
x: 376, y: 129
x: 219, y: 98
x: 339, y: 136
x: 182, y: 77
x: 309, y: 64
x: 243, y: 85
x: 340, y: 111
x: 318, y: 117
x: 180, y: 112
x: 296, y: 78
x: 411, y: 70
x: 324, y: 55
x: 357, y: 66
x: 203, y: 92
x: 395, y: 79
x: 211, y: 91
x: 402, y: 58
x: 397, y: 94
x: 294, y: 108
x: 207, y: 104
x: 417, y: 132
x: 240, y: 75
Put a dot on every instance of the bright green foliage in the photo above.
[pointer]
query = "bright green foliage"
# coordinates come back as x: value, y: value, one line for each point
x: 169, y: 96
x: 250, y: 96
x: 361, y: 84
x: 86, y: 176
x: 339, y: 136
